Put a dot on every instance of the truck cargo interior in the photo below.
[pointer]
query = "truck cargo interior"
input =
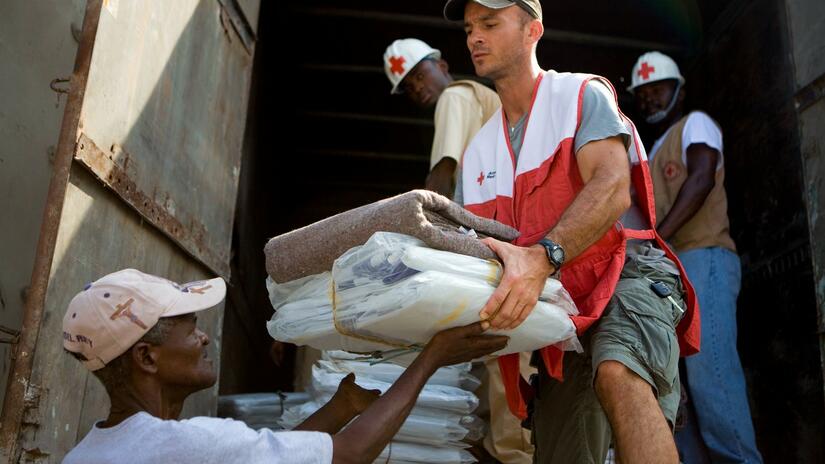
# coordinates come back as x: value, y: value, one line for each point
x: 178, y: 137
x: 324, y: 135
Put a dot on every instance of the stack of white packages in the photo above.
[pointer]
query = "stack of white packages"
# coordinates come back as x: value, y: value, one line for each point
x: 438, y: 426
x: 395, y: 292
x: 259, y: 410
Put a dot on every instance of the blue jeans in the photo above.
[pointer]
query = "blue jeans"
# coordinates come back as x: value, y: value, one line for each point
x: 715, y: 380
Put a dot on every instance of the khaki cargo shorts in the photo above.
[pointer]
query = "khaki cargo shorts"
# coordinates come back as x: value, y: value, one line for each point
x: 636, y: 329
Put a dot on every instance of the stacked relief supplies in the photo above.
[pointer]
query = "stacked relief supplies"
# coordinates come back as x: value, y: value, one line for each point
x: 345, y: 284
x: 440, y: 424
x: 394, y: 293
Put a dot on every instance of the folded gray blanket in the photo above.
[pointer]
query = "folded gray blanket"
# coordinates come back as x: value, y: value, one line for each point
x: 428, y: 216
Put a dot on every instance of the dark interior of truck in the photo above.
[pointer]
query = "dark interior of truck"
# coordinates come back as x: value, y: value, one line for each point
x: 324, y: 135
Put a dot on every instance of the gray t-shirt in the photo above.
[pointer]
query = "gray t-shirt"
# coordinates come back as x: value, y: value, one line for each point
x: 600, y: 120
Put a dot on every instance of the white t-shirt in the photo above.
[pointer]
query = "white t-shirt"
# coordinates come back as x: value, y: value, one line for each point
x: 144, y: 438
x: 699, y: 128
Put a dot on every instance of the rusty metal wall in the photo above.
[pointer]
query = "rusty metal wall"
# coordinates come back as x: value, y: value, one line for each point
x: 179, y: 91
x: 807, y: 35
x: 98, y: 234
x: 29, y: 123
x: 149, y: 150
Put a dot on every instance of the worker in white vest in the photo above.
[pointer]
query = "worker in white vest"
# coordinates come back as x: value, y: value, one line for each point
x: 461, y: 106
x: 560, y: 163
x: 688, y: 172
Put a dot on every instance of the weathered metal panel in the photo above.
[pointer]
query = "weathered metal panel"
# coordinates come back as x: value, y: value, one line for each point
x: 98, y: 234
x: 30, y: 116
x: 20, y: 393
x: 807, y: 20
x: 811, y: 123
x: 156, y: 112
x: 179, y: 92
x: 807, y: 32
x: 251, y: 10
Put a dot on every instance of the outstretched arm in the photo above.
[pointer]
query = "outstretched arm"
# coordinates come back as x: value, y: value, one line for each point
x: 370, y: 433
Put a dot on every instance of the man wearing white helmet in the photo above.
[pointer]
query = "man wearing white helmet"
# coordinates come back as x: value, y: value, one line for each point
x: 561, y: 164
x: 461, y: 107
x: 138, y: 334
x: 691, y: 209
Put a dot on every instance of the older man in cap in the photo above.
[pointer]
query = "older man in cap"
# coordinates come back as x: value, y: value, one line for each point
x: 138, y: 334
x: 561, y: 164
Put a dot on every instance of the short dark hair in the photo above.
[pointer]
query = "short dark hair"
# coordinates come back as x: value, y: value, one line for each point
x: 114, y: 374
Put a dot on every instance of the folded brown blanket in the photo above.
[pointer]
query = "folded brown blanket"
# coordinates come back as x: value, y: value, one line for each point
x: 428, y: 216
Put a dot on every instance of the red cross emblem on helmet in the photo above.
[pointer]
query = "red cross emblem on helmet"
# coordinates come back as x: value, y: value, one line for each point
x: 646, y: 70
x: 397, y: 65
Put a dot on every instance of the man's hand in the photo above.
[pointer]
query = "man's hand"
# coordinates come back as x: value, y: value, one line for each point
x: 368, y: 434
x: 352, y: 397
x: 349, y: 401
x: 525, y: 272
x: 462, y: 344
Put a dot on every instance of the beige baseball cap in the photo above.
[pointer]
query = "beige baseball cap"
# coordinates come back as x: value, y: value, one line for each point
x: 454, y: 9
x: 112, y: 313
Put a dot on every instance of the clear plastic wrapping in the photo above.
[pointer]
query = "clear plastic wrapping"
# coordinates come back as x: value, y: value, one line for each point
x: 393, y: 291
x: 432, y: 396
x: 259, y: 410
x: 452, y: 376
x: 423, y: 426
x: 406, y: 453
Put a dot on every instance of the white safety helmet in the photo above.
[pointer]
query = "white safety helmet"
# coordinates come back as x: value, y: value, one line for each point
x: 654, y: 67
x: 402, y: 55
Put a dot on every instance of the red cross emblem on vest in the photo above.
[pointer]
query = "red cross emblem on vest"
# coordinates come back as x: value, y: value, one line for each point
x: 645, y: 70
x: 671, y: 170
x: 480, y: 179
x: 397, y: 64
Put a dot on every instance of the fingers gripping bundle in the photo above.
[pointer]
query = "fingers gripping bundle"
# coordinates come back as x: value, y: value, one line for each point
x: 395, y: 292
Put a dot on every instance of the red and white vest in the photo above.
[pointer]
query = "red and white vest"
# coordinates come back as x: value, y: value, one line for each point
x: 531, y: 196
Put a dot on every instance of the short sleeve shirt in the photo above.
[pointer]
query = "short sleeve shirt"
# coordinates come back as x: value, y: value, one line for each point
x: 143, y: 438
x: 699, y: 128
x: 459, y: 114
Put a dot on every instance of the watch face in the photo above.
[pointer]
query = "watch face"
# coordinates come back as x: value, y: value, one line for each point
x: 558, y: 255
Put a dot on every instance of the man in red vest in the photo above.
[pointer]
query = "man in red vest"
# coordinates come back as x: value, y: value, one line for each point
x: 561, y: 164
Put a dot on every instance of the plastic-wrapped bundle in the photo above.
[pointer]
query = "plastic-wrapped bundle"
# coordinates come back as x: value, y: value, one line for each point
x: 406, y: 453
x: 452, y: 376
x: 259, y: 410
x: 432, y: 396
x: 475, y: 427
x: 433, y: 428
x: 438, y: 425
x: 393, y: 292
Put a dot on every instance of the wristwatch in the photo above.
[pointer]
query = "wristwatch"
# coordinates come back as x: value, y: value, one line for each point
x: 555, y: 253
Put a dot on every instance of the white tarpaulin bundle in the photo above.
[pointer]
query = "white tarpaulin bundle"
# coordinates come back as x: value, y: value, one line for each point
x: 439, y: 425
x: 457, y: 375
x: 394, y: 292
